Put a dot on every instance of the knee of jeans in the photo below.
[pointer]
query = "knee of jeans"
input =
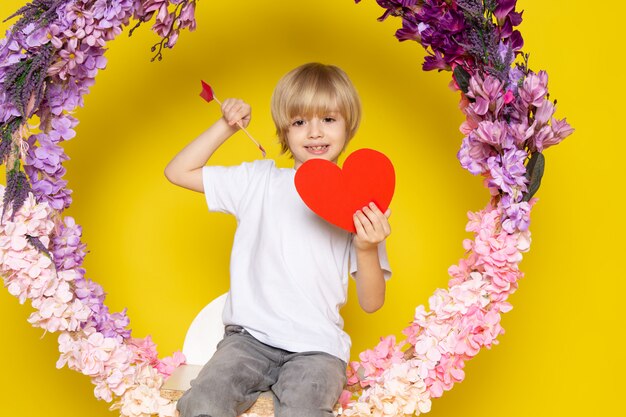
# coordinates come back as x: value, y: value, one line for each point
x: 200, y: 405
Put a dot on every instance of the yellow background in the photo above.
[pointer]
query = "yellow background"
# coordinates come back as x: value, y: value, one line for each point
x: 157, y: 251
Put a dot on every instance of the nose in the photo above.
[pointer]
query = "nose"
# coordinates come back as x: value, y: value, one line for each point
x: 315, y: 129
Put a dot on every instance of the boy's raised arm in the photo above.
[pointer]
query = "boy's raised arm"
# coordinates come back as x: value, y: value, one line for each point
x: 185, y: 169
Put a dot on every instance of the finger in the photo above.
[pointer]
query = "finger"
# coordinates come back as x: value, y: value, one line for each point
x: 377, y: 220
x: 367, y: 223
x: 233, y: 110
x: 358, y: 225
x: 227, y: 109
x: 242, y: 112
x: 380, y: 224
x: 386, y: 222
x: 379, y: 214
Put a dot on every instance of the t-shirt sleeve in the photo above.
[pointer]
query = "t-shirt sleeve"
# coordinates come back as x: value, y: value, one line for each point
x: 226, y: 187
x: 382, y: 259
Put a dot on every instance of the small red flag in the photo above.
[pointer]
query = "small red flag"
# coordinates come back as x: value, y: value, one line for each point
x: 207, y: 92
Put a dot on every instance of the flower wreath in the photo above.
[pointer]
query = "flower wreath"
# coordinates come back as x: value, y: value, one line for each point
x: 51, y: 56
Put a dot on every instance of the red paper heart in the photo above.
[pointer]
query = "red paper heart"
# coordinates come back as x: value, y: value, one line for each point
x: 335, y: 194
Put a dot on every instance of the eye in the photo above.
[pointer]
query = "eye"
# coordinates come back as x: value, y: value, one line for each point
x: 298, y: 122
x: 329, y: 119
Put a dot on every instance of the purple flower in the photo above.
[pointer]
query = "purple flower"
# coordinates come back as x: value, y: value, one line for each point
x: 47, y: 157
x: 506, y: 56
x: 503, y: 8
x: 474, y: 155
x: 516, y: 41
x: 112, y: 325
x: 66, y: 97
x: 516, y: 215
x: 62, y: 128
x: 452, y: 21
x: 410, y: 31
x: 508, y: 171
x: 51, y: 191
x: 515, y: 75
x: 90, y: 293
x: 35, y: 36
x: 394, y: 7
x: 435, y: 61
x: 68, y: 251
x: 7, y: 109
x: 71, y: 57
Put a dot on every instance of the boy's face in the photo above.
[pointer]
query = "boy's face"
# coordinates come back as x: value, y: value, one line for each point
x: 320, y: 136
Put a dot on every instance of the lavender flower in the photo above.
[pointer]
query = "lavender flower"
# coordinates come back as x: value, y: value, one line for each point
x: 38, y: 244
x: 474, y: 8
x: 37, y: 13
x: 16, y: 191
x: 6, y: 137
x: 24, y: 81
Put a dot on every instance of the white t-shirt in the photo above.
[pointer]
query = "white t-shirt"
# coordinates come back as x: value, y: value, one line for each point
x: 289, y: 267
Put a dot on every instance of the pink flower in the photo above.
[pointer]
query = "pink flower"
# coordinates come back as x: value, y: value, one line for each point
x: 105, y: 359
x: 143, y: 398
x: 144, y: 350
x: 534, y: 89
x: 167, y: 365
x: 491, y: 133
x: 449, y: 370
x: 508, y: 97
x: 187, y: 16
x: 544, y: 112
x: 560, y: 130
x: 344, y: 398
x: 375, y: 361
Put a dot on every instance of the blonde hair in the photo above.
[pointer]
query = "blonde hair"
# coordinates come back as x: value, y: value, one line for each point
x: 314, y: 89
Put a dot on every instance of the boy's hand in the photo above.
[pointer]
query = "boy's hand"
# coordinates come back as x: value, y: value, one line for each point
x: 235, y: 110
x: 372, y: 227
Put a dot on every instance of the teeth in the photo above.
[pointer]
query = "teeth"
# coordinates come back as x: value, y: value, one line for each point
x: 317, y: 148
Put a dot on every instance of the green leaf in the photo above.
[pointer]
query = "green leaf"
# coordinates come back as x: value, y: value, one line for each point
x: 462, y: 78
x: 534, y: 172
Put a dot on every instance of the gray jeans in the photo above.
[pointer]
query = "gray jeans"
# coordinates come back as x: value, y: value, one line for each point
x: 304, y: 384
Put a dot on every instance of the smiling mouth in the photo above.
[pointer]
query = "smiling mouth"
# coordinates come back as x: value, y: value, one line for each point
x: 317, y: 148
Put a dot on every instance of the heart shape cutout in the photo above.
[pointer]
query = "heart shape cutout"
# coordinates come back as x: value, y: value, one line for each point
x: 335, y: 194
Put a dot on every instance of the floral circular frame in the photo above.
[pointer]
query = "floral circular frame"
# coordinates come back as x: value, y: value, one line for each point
x: 51, y: 56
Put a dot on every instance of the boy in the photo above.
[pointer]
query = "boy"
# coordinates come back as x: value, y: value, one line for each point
x: 288, y: 266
